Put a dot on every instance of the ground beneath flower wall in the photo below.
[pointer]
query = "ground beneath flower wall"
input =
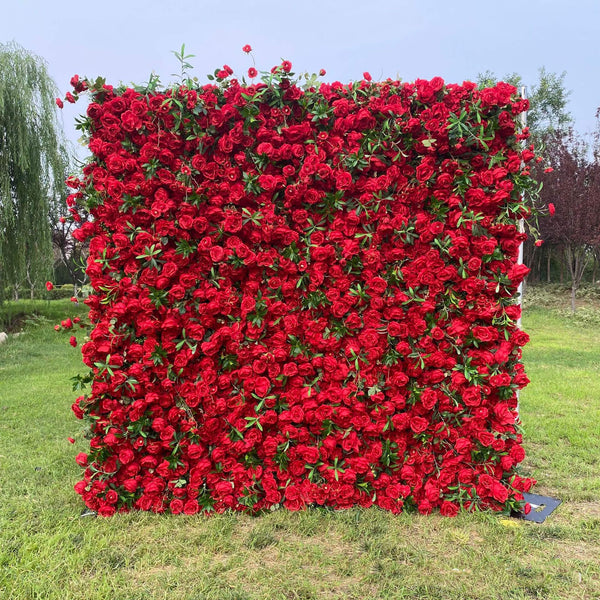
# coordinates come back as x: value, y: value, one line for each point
x: 48, y: 551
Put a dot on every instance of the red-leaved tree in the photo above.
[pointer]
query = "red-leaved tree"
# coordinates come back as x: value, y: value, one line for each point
x: 573, y: 189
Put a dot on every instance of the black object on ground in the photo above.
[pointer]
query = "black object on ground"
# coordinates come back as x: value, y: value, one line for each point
x: 541, y: 507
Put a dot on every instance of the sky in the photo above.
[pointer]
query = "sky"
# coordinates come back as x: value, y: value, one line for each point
x: 127, y: 40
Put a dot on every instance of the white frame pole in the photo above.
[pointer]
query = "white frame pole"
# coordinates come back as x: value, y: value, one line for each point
x: 520, y: 258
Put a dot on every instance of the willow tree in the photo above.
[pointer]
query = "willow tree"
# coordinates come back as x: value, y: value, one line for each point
x: 32, y: 167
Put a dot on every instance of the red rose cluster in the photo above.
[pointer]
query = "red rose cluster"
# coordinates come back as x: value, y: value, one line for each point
x: 303, y: 296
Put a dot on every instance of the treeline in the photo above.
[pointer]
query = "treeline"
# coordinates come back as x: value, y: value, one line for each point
x: 570, y: 252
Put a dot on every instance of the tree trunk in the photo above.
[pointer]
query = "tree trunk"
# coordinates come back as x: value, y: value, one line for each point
x: 562, y: 271
x: 577, y: 257
x: 548, y: 265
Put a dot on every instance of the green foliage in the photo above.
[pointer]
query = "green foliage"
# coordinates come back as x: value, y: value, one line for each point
x: 33, y: 163
x: 60, y: 292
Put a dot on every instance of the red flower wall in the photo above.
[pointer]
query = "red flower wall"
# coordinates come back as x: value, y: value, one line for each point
x: 303, y: 296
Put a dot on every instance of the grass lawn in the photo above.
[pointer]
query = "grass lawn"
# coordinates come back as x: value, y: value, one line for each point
x: 48, y: 551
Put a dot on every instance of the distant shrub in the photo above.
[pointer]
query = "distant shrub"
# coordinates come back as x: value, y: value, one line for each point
x: 59, y: 292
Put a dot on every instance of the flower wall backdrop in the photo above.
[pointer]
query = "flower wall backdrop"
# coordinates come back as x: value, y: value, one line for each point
x: 303, y: 294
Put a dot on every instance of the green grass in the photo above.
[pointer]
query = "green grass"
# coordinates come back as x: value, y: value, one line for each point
x: 48, y: 551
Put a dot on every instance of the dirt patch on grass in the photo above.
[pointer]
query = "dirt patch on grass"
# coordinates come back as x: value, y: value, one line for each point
x: 316, y: 574
x: 568, y: 511
x: 155, y: 572
x: 568, y: 551
x: 585, y: 509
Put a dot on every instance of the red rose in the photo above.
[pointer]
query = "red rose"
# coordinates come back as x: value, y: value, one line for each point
x: 474, y: 264
x: 195, y: 451
x: 499, y: 492
x: 520, y: 338
x: 130, y: 121
x: 106, y: 510
x: 486, y: 438
x: 111, y: 497
x: 191, y: 507
x: 232, y: 222
x: 448, y: 509
x: 262, y: 386
x: 463, y: 445
x: 500, y: 380
x: 378, y: 285
x: 126, y: 456
x: 428, y: 398
x: 290, y: 369
x: 517, y: 453
x: 267, y: 182
x: 81, y: 459
x: 247, y: 48
x: 418, y: 424
x: 343, y: 180
x: 49, y: 286
x: 424, y: 171
x: 311, y: 455
x: 217, y: 253
x: 252, y: 72
x: 472, y: 396
x: 368, y: 338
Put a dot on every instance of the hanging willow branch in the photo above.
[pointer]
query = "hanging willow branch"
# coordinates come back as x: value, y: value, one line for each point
x: 33, y: 161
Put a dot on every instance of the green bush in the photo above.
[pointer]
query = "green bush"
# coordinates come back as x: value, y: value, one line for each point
x: 60, y: 292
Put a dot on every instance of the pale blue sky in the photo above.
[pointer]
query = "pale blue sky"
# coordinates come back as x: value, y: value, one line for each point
x: 126, y: 40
